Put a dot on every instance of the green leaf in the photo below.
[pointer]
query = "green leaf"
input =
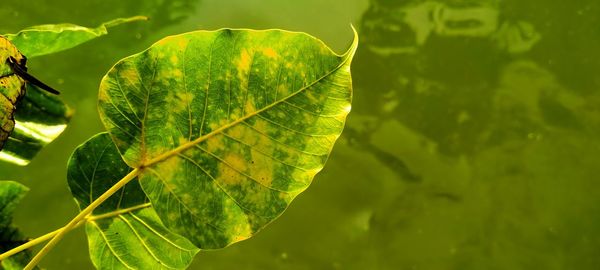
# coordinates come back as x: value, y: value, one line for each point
x: 11, y: 194
x: 51, y: 38
x: 124, y: 232
x: 39, y: 119
x: 227, y: 126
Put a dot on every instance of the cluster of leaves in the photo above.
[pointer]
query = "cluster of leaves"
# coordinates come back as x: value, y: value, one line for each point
x: 40, y: 117
x: 210, y: 136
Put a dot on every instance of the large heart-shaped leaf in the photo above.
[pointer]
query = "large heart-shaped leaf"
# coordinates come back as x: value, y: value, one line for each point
x: 124, y: 232
x: 227, y: 126
x: 39, y: 119
x: 11, y: 194
x: 51, y: 38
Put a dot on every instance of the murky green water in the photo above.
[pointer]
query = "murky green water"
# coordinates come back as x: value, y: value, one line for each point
x: 473, y: 142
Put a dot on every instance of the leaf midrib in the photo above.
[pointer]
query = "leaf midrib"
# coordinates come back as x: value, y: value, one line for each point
x: 347, y: 57
x: 118, y: 212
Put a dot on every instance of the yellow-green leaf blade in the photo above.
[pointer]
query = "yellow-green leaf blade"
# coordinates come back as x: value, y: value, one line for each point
x: 229, y: 126
x: 124, y: 232
x: 51, y: 38
x: 137, y: 240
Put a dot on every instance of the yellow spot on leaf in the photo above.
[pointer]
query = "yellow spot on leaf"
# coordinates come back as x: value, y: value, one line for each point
x: 228, y: 175
x: 168, y: 169
x: 102, y: 95
x: 261, y: 125
x: 249, y: 107
x: 241, y: 229
x: 214, y: 144
x: 269, y: 52
x: 182, y: 44
x: 185, y: 97
x: 174, y: 59
x: 288, y: 197
x: 235, y: 113
x: 261, y: 169
x: 312, y: 172
x: 236, y: 131
x: 243, y: 67
x: 129, y: 75
x: 217, y: 125
x: 177, y: 73
x: 241, y: 238
x: 243, y: 63
x: 180, y: 102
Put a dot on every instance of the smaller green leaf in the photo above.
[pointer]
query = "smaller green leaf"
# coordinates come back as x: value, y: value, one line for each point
x: 11, y: 194
x: 137, y: 240
x: 39, y: 119
x: 51, y: 38
x: 124, y: 232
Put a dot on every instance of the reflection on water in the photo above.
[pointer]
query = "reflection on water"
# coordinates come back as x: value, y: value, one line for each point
x: 411, y: 25
x: 452, y: 87
x: 464, y: 97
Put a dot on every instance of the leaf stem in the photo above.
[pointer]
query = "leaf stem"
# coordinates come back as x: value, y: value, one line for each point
x: 50, y: 235
x: 118, y: 212
x: 80, y: 217
x: 33, y: 242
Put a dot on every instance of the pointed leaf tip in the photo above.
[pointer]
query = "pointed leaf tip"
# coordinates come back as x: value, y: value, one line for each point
x: 349, y: 54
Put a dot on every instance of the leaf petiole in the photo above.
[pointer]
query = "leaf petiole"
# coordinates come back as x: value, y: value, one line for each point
x: 34, y: 242
x: 80, y: 217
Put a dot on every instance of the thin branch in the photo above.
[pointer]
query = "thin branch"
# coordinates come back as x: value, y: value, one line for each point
x: 118, y: 212
x: 80, y: 217
x: 34, y: 242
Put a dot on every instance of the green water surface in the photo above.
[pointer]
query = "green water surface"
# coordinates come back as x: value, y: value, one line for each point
x: 473, y: 142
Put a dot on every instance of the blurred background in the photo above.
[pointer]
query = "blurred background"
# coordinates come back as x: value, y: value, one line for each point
x: 473, y: 141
